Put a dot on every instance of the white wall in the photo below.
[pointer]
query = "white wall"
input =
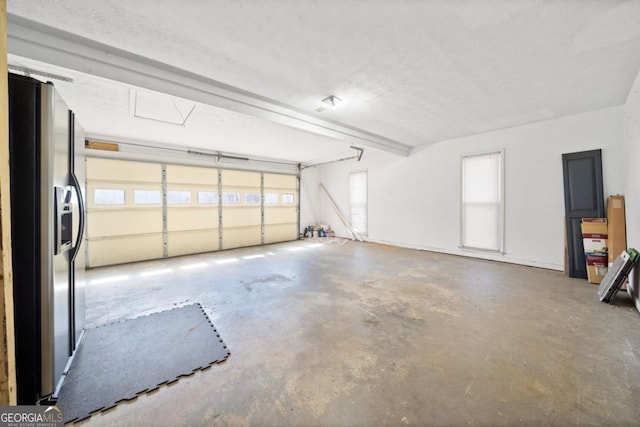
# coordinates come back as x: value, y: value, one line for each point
x: 632, y: 178
x: 415, y: 201
x: 310, y: 202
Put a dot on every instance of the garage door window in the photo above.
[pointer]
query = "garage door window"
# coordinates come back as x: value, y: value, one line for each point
x: 108, y: 197
x: 179, y: 197
x: 482, y: 201
x: 147, y: 197
x: 207, y: 197
x: 252, y: 198
x: 288, y: 199
x: 270, y: 198
x: 229, y: 198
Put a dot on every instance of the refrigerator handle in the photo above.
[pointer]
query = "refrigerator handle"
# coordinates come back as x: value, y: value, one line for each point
x: 76, y: 185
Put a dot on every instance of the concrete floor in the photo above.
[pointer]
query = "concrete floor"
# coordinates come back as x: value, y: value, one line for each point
x: 331, y: 332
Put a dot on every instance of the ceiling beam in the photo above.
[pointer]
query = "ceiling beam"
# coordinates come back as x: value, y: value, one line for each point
x: 36, y: 41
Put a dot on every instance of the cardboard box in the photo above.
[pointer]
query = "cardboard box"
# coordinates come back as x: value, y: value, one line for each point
x: 594, y: 226
x: 594, y: 235
x: 595, y: 241
x: 617, y: 230
x: 597, y: 267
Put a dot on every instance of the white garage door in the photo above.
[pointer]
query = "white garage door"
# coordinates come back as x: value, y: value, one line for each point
x: 280, y: 208
x: 192, y: 210
x: 241, y: 209
x: 124, y: 211
x: 139, y: 211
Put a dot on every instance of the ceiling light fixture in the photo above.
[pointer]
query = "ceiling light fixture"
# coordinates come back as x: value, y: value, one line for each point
x: 332, y: 100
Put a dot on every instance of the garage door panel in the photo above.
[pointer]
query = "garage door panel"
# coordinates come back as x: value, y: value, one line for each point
x: 241, y: 222
x: 240, y: 178
x: 124, y: 249
x: 239, y: 237
x: 123, y: 170
x: 280, y: 215
x: 280, y: 181
x: 237, y: 217
x: 192, y: 222
x: 192, y: 242
x: 280, y: 233
x: 107, y: 223
x: 192, y: 218
x: 177, y: 174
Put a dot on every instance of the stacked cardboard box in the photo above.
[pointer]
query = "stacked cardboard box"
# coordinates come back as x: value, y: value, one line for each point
x: 594, y: 239
x: 617, y: 234
x: 617, y: 230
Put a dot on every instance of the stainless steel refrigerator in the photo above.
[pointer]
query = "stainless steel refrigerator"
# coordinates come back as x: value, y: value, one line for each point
x: 47, y: 227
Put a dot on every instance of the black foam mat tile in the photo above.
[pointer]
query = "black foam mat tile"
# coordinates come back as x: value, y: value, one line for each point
x: 119, y: 361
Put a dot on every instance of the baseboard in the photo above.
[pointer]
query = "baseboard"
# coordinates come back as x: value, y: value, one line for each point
x: 475, y: 254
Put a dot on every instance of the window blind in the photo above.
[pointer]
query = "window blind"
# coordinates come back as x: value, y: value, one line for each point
x: 482, y: 201
x: 358, y: 201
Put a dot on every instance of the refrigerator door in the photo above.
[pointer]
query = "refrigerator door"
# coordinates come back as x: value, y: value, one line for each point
x: 79, y: 225
x: 56, y: 303
x: 24, y: 137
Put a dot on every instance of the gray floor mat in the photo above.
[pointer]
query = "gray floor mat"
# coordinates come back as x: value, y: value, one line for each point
x: 119, y: 361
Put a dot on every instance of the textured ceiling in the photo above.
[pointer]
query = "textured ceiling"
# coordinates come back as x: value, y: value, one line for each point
x: 414, y: 72
x: 104, y: 109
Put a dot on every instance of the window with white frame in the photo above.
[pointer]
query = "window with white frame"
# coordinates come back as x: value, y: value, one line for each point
x: 358, y: 201
x: 482, y: 201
